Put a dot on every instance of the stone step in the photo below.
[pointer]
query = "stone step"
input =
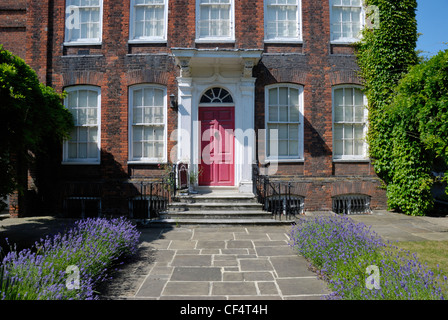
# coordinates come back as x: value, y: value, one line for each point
x: 216, y: 198
x: 210, y: 206
x: 164, y: 221
x: 219, y: 214
x: 217, y: 206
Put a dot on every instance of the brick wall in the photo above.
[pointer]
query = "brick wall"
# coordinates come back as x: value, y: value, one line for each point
x: 116, y: 64
x: 13, y: 26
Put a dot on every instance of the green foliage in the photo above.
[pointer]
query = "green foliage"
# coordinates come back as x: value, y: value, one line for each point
x: 32, y: 118
x: 384, y: 56
x: 420, y: 113
x: 398, y: 151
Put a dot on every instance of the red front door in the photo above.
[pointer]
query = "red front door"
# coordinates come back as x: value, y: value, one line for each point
x: 217, y: 146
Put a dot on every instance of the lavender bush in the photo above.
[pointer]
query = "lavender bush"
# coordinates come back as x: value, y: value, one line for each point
x: 342, y: 250
x: 92, y: 245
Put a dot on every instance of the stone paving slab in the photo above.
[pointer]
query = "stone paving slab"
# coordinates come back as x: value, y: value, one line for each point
x: 226, y: 263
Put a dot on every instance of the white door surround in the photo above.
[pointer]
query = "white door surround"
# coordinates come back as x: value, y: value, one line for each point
x: 202, y: 69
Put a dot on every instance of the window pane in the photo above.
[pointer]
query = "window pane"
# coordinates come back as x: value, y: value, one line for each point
x: 273, y: 96
x: 158, y: 150
x: 283, y: 113
x: 293, y: 148
x: 338, y: 114
x: 92, y: 150
x: 137, y: 133
x: 137, y: 116
x: 148, y: 150
x: 348, y: 147
x: 148, y: 97
x: 148, y: 134
x: 348, y: 132
x: 359, y: 114
x: 82, y: 98
x: 158, y: 115
x: 283, y: 96
x: 359, y: 97
x: 158, y: 134
x: 82, y: 150
x: 72, y: 150
x: 137, y: 149
x: 349, y: 97
x: 293, y: 131
x: 338, y: 132
x: 283, y: 148
x: 147, y: 115
x: 348, y: 114
x: 93, y: 134
x: 82, y: 116
x: 283, y: 131
x: 82, y: 134
x: 158, y: 97
x: 359, y: 148
x: 138, y: 98
x: 338, y: 148
x: 273, y: 113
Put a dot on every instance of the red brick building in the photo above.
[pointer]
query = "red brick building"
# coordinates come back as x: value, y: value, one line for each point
x: 153, y: 81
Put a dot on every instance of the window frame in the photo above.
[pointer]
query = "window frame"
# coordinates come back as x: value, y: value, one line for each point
x: 300, y: 139
x: 143, y: 160
x: 299, y: 38
x: 147, y: 39
x: 84, y: 161
x: 350, y: 158
x: 347, y: 40
x: 214, y: 39
x: 81, y: 41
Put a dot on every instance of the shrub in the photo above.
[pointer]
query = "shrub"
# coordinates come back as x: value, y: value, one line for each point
x: 92, y: 245
x: 342, y: 250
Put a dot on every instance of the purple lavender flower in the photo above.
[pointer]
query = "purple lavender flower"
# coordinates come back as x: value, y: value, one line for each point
x: 93, y: 245
x: 342, y: 250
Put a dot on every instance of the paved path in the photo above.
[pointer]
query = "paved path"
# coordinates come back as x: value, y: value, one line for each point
x: 204, y: 262
x: 219, y: 263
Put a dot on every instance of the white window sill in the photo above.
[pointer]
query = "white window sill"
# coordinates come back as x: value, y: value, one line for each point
x: 215, y: 40
x: 283, y: 41
x: 80, y: 43
x: 131, y: 162
x: 345, y: 41
x: 351, y: 160
x: 143, y: 41
x: 81, y: 163
x: 283, y: 161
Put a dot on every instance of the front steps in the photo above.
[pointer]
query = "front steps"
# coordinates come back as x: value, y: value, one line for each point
x: 217, y: 206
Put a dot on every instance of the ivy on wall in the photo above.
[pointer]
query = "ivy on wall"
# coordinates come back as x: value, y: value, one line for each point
x: 407, y: 106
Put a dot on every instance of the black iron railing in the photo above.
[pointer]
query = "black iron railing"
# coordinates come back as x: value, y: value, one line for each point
x: 351, y: 204
x: 277, y: 197
x: 145, y: 199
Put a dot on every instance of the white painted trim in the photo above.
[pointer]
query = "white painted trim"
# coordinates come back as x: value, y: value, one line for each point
x: 162, y: 39
x: 359, y: 158
x: 131, y: 159
x: 79, y: 161
x: 84, y: 42
x: 301, y: 122
x: 285, y: 40
x: 209, y: 39
x: 346, y: 40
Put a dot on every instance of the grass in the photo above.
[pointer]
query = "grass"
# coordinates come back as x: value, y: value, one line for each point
x: 433, y: 253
